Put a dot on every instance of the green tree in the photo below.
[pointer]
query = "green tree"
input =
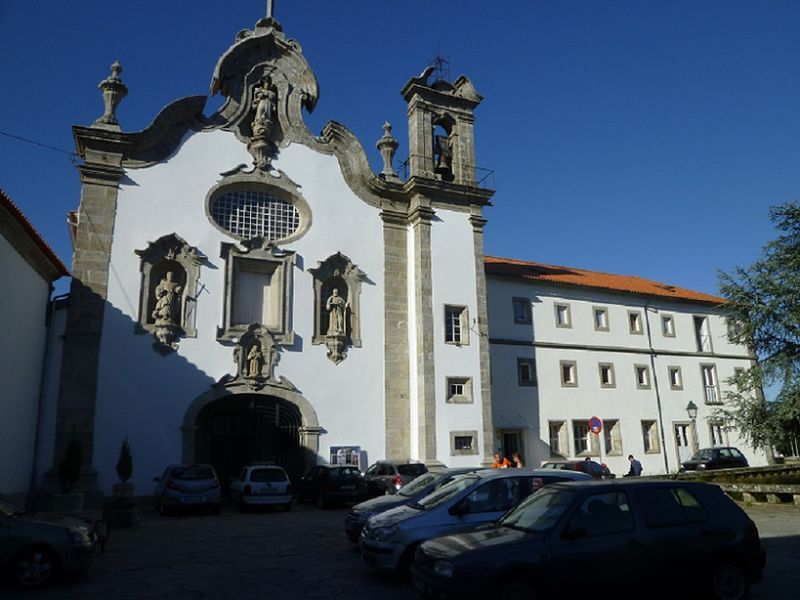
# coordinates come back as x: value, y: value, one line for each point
x: 125, y: 462
x: 764, y: 304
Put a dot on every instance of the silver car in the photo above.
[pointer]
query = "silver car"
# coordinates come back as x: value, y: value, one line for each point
x: 187, y: 486
x: 262, y: 485
x: 389, y: 539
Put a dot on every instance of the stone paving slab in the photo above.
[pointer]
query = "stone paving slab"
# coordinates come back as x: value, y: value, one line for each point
x: 302, y: 554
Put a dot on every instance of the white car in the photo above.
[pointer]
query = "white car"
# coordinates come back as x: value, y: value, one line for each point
x: 389, y: 539
x: 262, y: 485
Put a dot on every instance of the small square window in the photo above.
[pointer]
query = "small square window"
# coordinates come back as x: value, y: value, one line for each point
x: 569, y: 373
x: 563, y: 316
x: 463, y: 443
x: 456, y: 325
x: 526, y: 371
x: 522, y: 311
x: 667, y: 325
x: 607, y: 375
x: 459, y: 390
x: 675, y: 378
x: 642, y: 377
x: 635, y: 321
x: 600, y: 318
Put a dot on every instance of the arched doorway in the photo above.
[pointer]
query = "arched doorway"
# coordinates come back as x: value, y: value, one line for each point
x: 249, y: 428
x: 231, y: 426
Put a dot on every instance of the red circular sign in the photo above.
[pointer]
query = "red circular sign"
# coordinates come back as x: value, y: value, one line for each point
x: 595, y: 424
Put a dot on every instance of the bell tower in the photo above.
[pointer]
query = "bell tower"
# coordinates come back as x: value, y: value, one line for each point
x: 441, y: 128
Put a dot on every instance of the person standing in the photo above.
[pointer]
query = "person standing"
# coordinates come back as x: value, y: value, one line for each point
x: 517, y: 461
x: 500, y: 461
x: 636, y: 467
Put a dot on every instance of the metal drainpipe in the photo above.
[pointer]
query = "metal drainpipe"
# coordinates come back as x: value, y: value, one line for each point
x: 655, y: 385
x: 43, y: 386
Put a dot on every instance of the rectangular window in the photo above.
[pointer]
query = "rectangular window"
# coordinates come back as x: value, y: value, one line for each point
x: 642, y: 377
x: 459, y: 390
x: 580, y: 433
x: 738, y: 378
x: 563, y: 316
x: 712, y: 395
x: 716, y: 433
x: 463, y: 443
x: 650, y: 437
x: 569, y: 373
x: 702, y: 334
x: 558, y: 434
x: 607, y: 375
x: 612, y: 438
x: 600, y: 318
x: 456, y: 325
x: 255, y: 299
x: 667, y: 325
x: 522, y: 311
x: 526, y: 371
x: 675, y: 378
x: 635, y: 321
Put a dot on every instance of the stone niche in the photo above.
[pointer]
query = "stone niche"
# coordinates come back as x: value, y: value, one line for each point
x: 170, y: 269
x: 337, y: 293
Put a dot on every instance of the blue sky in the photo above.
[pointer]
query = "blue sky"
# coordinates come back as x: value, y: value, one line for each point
x: 634, y: 137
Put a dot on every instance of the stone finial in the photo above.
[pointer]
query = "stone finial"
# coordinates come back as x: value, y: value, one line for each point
x: 387, y: 146
x: 113, y: 92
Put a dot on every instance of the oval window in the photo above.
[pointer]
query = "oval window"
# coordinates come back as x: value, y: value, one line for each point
x: 250, y: 213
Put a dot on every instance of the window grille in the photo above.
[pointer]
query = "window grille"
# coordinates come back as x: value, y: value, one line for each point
x: 249, y: 214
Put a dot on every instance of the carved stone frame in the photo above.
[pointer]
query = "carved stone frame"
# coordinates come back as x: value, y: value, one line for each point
x: 169, y: 252
x: 336, y: 271
x: 281, y: 264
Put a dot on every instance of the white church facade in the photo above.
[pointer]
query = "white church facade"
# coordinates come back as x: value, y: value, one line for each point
x: 245, y: 290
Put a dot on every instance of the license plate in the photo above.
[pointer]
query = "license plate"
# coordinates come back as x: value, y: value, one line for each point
x: 193, y: 499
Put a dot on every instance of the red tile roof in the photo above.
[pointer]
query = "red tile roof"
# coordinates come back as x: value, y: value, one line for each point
x: 16, y: 213
x: 508, y: 267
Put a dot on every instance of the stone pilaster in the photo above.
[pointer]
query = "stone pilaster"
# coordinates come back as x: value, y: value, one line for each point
x: 420, y: 139
x: 420, y: 218
x: 477, y: 221
x: 75, y: 415
x: 395, y: 315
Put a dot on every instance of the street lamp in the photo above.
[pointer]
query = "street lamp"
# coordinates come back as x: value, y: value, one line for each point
x: 691, y: 410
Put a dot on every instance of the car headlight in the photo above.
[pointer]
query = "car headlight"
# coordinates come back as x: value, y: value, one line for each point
x: 79, y: 536
x: 381, y: 534
x: 701, y: 466
x: 443, y: 568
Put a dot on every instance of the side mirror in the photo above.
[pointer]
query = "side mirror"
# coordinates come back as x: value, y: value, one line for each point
x: 459, y: 508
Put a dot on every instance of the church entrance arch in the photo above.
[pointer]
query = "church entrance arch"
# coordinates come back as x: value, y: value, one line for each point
x: 229, y: 429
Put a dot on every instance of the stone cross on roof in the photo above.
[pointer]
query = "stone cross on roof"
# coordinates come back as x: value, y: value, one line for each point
x: 270, y: 9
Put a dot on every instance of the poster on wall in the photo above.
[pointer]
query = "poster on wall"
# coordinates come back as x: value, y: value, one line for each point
x: 345, y: 455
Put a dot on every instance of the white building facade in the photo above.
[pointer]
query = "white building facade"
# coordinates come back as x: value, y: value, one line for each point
x: 569, y: 344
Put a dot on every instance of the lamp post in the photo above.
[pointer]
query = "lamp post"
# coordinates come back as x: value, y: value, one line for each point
x: 691, y: 410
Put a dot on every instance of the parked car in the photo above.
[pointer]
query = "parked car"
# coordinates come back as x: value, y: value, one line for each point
x: 35, y: 548
x: 187, y: 486
x: 389, y: 539
x: 388, y: 476
x: 590, y: 467
x: 707, y: 459
x: 262, y: 485
x: 327, y: 484
x: 411, y: 492
x: 642, y: 536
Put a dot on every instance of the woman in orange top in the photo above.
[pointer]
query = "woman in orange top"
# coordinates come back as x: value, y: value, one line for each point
x: 500, y: 461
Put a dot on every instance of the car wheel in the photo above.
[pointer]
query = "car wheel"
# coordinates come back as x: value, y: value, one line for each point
x: 729, y: 582
x: 321, y: 504
x: 518, y: 590
x: 34, y: 567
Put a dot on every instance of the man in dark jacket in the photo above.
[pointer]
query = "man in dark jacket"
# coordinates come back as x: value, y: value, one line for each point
x: 636, y: 467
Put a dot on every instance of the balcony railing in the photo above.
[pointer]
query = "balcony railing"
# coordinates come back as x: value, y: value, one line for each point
x: 712, y: 395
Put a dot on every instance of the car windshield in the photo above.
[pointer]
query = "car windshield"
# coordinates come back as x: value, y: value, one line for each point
x: 193, y: 473
x: 412, y: 469
x: 540, y: 512
x: 264, y: 475
x: 444, y: 493
x: 414, y: 487
x: 345, y: 473
x: 703, y: 454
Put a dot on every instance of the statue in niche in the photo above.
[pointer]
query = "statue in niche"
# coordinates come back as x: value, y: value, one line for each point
x: 167, y: 295
x: 336, y: 307
x: 444, y: 155
x: 254, y: 358
x: 266, y: 101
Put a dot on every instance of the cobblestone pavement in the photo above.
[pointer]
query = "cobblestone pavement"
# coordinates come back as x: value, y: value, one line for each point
x: 302, y: 554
